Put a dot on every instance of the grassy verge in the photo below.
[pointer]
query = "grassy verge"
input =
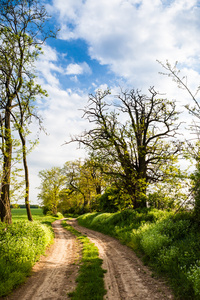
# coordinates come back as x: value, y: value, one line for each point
x: 21, y: 245
x: 170, y: 244
x: 90, y: 279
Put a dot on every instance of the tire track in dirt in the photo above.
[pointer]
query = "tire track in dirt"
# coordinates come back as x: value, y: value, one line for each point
x: 126, y: 278
x: 53, y: 277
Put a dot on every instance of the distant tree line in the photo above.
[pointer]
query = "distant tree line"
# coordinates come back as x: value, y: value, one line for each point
x: 24, y: 206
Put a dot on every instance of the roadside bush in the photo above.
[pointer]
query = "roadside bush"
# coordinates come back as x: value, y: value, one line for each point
x: 169, y: 243
x: 21, y: 245
x: 152, y: 241
x: 59, y: 215
x: 193, y: 275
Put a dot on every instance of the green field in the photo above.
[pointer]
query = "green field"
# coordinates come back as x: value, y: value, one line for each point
x: 19, y: 214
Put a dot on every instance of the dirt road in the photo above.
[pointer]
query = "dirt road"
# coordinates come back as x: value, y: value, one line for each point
x: 54, y: 276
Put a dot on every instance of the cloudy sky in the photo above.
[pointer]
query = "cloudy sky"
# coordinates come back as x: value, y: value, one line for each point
x: 113, y: 43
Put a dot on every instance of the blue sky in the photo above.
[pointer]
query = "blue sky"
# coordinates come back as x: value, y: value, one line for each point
x: 108, y: 43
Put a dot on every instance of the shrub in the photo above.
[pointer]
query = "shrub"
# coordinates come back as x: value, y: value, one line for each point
x: 194, y: 276
x: 59, y: 215
x: 21, y: 245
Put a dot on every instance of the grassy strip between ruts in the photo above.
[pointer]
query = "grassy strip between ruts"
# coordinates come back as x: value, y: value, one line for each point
x: 170, y: 243
x: 90, y: 279
x: 21, y: 245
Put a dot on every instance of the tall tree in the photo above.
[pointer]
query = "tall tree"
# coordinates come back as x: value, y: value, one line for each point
x: 22, y: 31
x: 79, y: 180
x: 136, y: 136
x: 84, y: 183
x: 22, y: 118
x: 52, y: 182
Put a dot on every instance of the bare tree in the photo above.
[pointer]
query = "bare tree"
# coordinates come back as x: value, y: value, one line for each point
x: 182, y: 82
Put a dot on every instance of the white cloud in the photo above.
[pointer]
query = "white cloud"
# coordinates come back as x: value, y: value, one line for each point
x: 78, y: 69
x: 73, y: 69
x: 62, y: 118
x: 47, y: 66
x: 74, y: 78
x: 130, y: 35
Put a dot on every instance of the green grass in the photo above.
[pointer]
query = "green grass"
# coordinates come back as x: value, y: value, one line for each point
x: 19, y: 214
x: 169, y: 243
x: 90, y: 279
x: 21, y: 245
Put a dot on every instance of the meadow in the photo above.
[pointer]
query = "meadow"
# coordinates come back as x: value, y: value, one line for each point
x: 21, y: 245
x: 169, y: 243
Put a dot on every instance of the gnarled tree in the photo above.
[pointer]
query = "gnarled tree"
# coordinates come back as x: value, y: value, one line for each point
x: 135, y: 136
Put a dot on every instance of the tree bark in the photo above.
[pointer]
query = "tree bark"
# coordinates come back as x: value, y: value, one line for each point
x: 5, y: 188
x: 27, y: 204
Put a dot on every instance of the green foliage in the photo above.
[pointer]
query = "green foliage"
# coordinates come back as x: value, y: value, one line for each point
x: 52, y: 182
x: 170, y: 243
x: 196, y: 188
x: 90, y: 278
x: 112, y: 200
x: 21, y: 245
x: 194, y: 276
x: 59, y: 215
x: 172, y: 191
x: 73, y: 188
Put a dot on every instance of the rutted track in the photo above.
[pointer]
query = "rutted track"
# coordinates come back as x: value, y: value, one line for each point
x: 126, y: 278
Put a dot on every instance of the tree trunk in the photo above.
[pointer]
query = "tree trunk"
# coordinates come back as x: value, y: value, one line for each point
x: 141, y: 178
x: 5, y: 187
x: 27, y: 204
